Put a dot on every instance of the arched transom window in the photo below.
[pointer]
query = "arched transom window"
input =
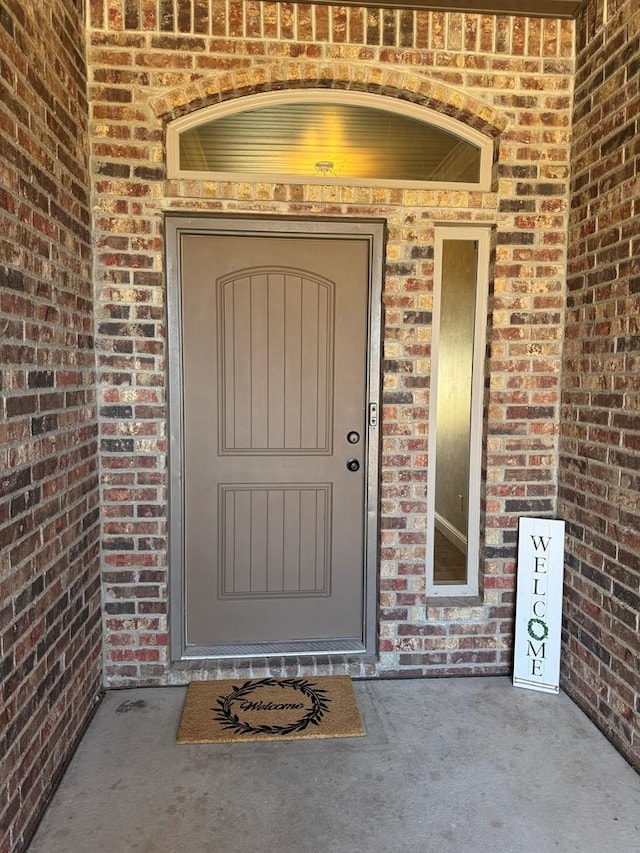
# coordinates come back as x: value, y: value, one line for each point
x: 325, y: 136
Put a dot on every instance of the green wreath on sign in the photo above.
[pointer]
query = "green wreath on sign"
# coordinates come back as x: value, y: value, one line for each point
x: 543, y: 625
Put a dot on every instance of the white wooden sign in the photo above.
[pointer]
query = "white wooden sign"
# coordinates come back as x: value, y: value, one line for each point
x: 536, y: 664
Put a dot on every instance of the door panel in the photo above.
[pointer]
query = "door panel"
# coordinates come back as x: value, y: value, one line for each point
x: 276, y: 373
x: 275, y: 541
x: 274, y: 342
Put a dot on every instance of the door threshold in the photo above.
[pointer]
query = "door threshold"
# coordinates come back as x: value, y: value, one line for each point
x: 338, y: 646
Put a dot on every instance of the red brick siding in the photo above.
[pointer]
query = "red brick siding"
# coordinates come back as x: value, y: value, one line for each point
x: 510, y: 76
x: 50, y: 630
x: 600, y: 443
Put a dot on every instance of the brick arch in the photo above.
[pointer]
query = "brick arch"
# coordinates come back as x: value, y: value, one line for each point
x: 354, y: 77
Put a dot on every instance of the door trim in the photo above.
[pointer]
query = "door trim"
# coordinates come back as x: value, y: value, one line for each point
x: 373, y: 231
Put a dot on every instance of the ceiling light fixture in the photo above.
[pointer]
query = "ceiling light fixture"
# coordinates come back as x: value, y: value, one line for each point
x: 324, y: 167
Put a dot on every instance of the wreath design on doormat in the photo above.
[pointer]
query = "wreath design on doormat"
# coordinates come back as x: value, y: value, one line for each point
x: 230, y: 720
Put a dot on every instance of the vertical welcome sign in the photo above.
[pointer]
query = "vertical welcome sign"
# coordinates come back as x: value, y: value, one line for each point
x: 539, y: 604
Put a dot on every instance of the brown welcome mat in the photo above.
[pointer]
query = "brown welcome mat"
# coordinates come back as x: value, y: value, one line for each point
x: 269, y: 709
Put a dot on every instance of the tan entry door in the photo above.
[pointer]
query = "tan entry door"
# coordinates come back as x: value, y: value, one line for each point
x: 275, y: 418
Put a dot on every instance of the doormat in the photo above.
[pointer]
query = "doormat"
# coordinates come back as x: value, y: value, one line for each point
x: 269, y: 709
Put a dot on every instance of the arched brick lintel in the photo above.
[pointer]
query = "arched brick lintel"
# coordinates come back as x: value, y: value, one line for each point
x: 354, y: 77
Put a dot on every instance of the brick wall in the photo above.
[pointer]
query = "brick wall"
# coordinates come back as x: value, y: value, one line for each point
x: 49, y: 563
x: 510, y: 76
x: 600, y: 447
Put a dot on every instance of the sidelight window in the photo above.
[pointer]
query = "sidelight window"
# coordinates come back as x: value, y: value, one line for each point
x: 456, y: 415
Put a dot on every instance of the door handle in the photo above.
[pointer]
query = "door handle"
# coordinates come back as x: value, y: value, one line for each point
x: 353, y: 464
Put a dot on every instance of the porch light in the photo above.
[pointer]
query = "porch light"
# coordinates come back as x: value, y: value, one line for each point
x: 324, y: 167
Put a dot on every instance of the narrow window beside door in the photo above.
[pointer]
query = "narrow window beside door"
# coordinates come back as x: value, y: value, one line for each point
x: 455, y: 428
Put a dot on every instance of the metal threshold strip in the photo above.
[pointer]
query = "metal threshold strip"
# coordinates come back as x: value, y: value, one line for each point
x: 337, y: 646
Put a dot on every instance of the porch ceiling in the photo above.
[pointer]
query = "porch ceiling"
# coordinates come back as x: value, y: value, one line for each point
x: 537, y: 8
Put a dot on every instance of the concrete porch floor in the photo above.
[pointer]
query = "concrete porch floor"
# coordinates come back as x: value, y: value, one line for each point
x: 450, y: 766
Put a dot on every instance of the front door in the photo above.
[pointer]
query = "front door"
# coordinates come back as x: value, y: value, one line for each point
x: 276, y: 414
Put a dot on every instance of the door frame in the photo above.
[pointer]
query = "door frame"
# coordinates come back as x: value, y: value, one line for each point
x: 371, y: 230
